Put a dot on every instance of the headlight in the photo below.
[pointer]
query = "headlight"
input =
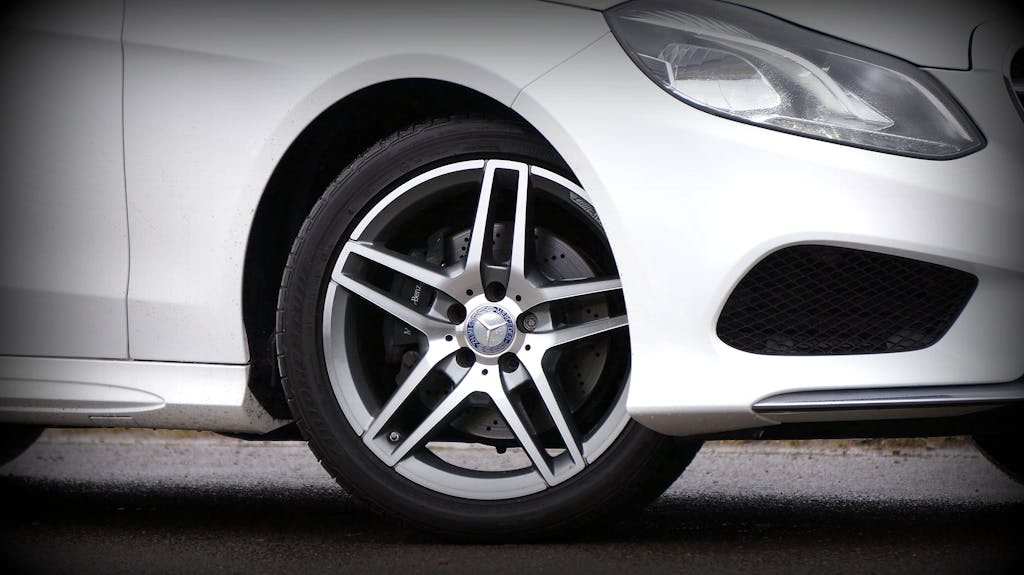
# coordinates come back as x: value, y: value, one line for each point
x: 745, y: 65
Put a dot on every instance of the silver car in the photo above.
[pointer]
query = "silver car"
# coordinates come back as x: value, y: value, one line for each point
x: 505, y: 264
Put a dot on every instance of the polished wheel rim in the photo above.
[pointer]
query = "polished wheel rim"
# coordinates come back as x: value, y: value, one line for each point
x: 477, y: 304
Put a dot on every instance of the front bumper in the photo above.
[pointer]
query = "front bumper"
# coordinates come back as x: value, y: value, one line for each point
x: 691, y: 202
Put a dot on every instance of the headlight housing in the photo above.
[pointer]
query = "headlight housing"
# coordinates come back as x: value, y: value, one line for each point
x: 746, y: 65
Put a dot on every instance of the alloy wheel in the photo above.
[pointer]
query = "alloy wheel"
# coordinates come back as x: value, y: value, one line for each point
x: 497, y: 321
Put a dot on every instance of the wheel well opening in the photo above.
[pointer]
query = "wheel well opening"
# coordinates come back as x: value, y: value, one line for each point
x: 324, y: 148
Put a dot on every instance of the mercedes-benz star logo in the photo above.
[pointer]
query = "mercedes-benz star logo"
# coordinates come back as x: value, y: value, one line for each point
x: 490, y: 330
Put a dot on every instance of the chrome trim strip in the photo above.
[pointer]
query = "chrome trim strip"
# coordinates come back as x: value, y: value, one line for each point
x: 894, y: 398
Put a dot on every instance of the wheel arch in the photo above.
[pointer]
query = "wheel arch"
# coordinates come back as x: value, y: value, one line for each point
x: 329, y: 143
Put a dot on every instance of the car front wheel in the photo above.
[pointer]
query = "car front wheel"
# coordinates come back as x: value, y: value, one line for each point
x: 454, y: 341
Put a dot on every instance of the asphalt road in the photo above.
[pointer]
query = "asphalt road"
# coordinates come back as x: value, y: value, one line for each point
x: 152, y: 502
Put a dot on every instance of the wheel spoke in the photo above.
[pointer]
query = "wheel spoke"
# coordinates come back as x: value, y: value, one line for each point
x: 569, y: 290
x: 577, y: 332
x: 398, y: 263
x: 438, y: 417
x: 479, y: 237
x: 557, y: 411
x: 533, y: 449
x: 424, y: 366
x: 520, y: 238
x: 429, y: 326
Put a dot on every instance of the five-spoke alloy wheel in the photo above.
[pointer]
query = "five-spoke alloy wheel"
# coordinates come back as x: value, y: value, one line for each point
x: 454, y: 340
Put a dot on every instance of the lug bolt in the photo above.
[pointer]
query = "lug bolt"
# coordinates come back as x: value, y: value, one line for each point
x: 509, y: 363
x: 494, y: 291
x: 394, y: 437
x: 456, y: 314
x: 529, y: 322
x: 465, y: 357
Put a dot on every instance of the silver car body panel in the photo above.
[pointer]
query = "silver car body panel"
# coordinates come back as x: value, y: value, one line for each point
x: 211, y: 104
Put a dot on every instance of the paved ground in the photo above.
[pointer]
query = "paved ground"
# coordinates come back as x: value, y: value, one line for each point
x: 149, y: 502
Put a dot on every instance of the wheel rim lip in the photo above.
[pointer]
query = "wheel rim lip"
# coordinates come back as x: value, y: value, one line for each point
x: 431, y: 471
x: 403, y: 189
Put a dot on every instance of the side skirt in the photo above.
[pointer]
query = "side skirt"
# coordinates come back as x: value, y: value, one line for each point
x: 61, y: 392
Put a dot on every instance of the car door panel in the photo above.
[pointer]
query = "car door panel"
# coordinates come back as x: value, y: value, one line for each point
x: 63, y: 227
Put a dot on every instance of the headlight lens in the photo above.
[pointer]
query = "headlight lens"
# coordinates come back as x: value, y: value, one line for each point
x: 746, y: 65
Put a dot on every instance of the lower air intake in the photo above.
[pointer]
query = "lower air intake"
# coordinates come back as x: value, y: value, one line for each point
x: 826, y: 300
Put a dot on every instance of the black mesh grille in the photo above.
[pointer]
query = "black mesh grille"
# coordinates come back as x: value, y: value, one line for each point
x: 825, y: 300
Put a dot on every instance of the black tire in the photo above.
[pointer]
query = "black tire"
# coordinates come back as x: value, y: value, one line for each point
x: 1005, y: 451
x: 15, y: 439
x: 634, y: 467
